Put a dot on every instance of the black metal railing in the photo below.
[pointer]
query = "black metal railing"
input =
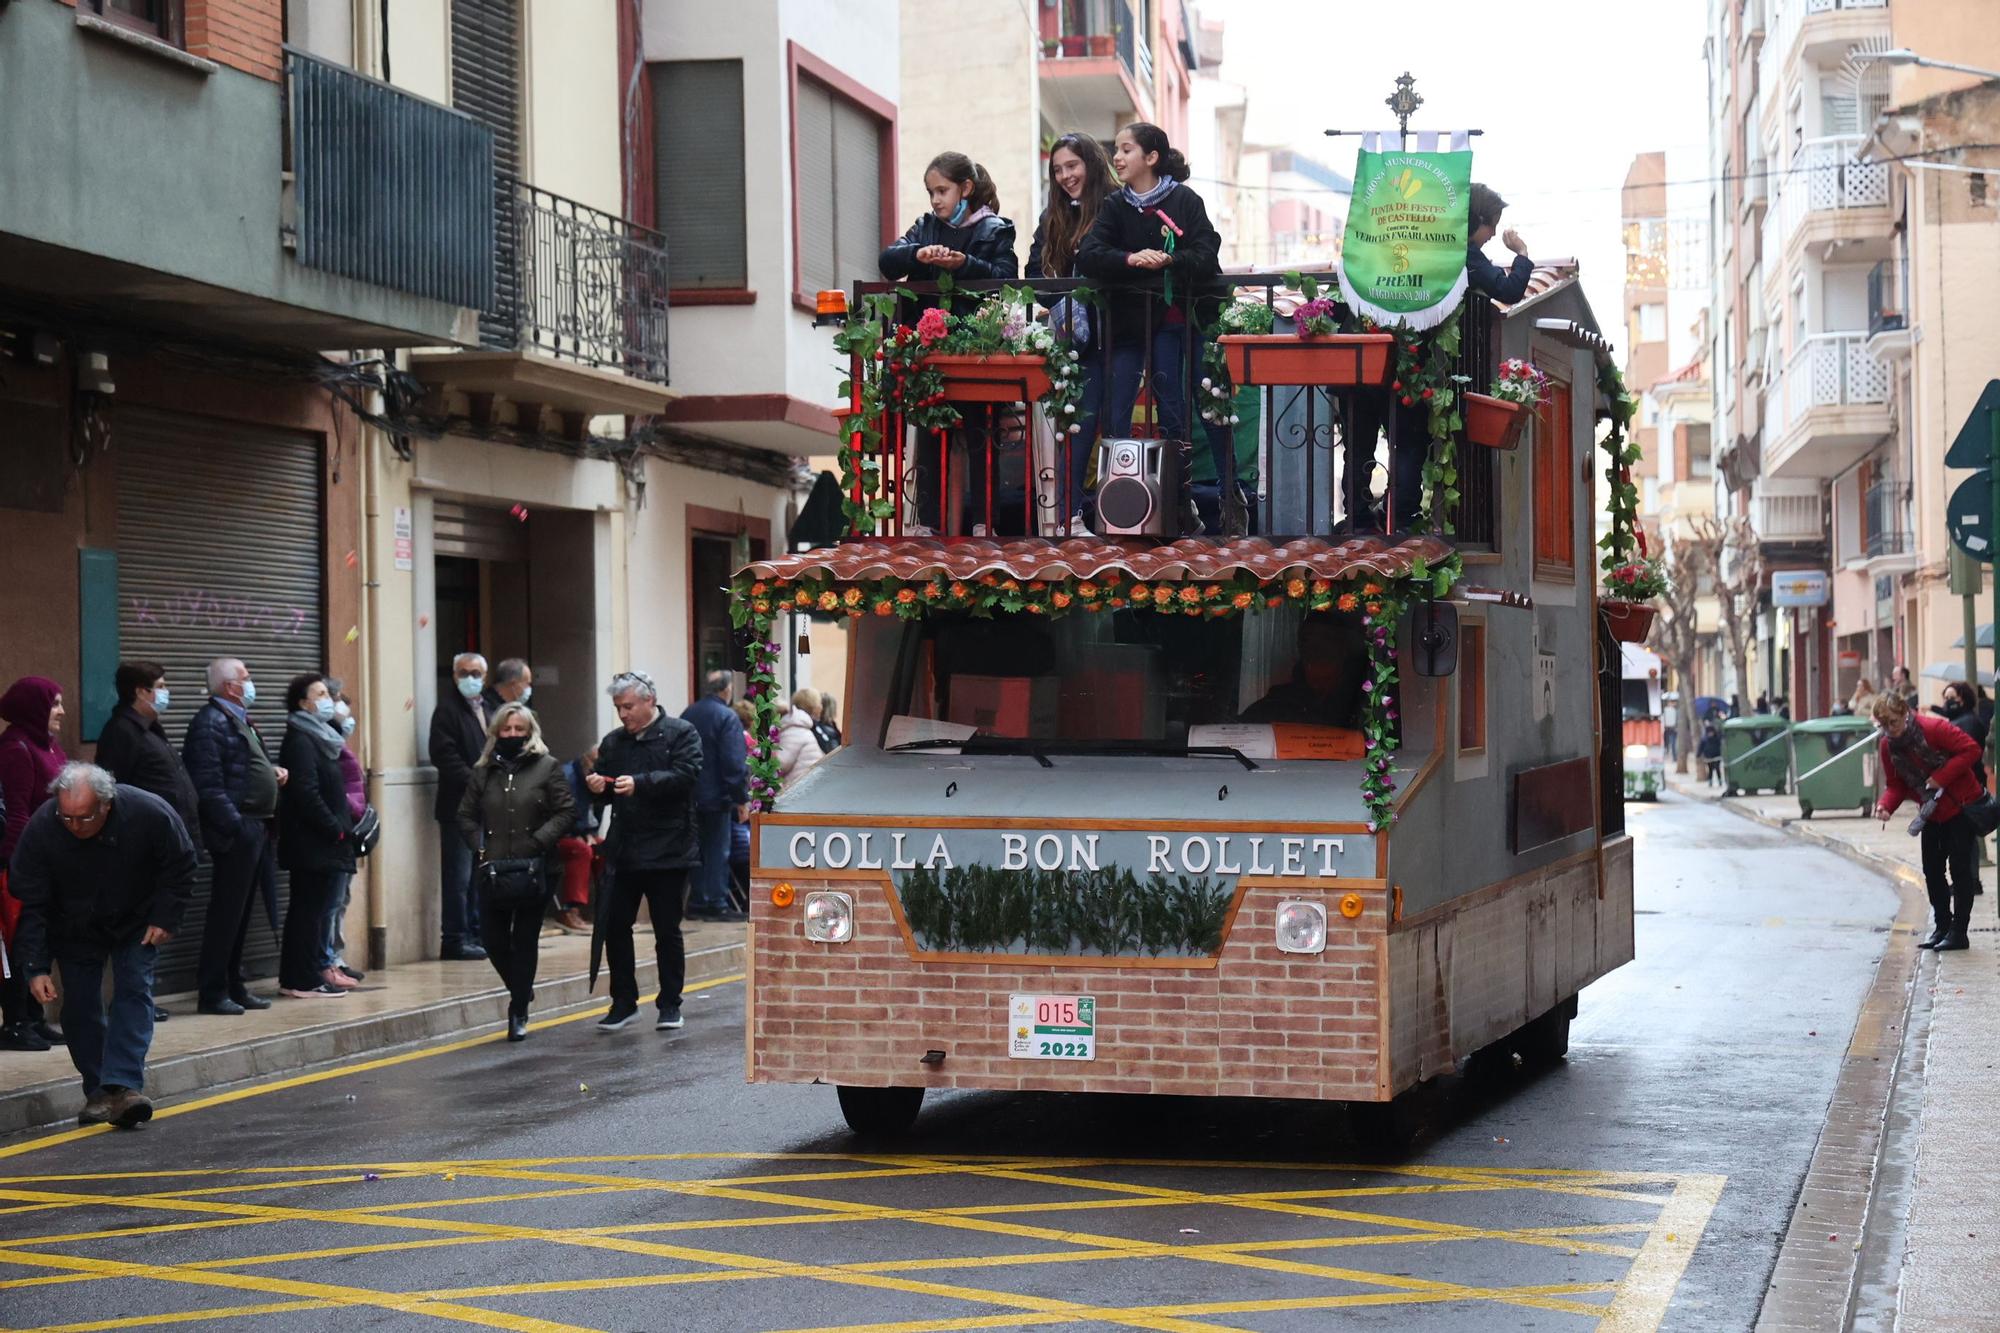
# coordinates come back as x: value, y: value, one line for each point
x: 1886, y: 305
x: 990, y: 476
x: 591, y: 287
x: 388, y: 187
x: 1888, y: 531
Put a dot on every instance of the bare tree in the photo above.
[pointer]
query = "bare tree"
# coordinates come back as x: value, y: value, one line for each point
x: 1690, y: 561
x: 1739, y: 585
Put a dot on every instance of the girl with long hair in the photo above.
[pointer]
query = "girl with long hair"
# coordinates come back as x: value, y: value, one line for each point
x: 963, y: 234
x: 1153, y: 241
x: 1080, y: 180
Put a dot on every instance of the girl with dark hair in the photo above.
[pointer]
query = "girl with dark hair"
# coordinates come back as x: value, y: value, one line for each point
x: 1080, y: 180
x: 1153, y: 241
x: 963, y: 234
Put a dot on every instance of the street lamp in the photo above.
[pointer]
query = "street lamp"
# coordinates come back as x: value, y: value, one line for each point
x: 1903, y: 55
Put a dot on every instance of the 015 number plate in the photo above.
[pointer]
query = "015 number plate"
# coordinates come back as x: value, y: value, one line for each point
x: 1052, y: 1027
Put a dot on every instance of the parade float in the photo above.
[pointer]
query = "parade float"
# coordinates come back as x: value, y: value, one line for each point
x: 1305, y: 813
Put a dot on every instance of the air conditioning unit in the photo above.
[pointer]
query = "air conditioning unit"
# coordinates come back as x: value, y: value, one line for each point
x: 1139, y: 488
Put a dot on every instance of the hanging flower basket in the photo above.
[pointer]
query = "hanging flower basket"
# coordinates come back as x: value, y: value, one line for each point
x: 1493, y: 422
x: 999, y: 378
x: 1629, y: 621
x: 1337, y: 360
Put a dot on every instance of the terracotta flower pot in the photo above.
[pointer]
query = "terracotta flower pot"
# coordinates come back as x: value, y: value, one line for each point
x: 1493, y: 422
x: 1075, y: 46
x: 1334, y: 360
x: 991, y: 379
x: 1629, y: 621
x: 1102, y: 44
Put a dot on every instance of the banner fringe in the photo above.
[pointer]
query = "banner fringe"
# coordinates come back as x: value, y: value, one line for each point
x: 1416, y: 321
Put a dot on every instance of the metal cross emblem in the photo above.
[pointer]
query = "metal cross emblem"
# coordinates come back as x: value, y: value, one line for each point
x: 1405, y: 102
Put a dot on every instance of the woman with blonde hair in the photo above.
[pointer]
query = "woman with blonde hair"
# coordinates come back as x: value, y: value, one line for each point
x: 798, y: 747
x: 517, y: 807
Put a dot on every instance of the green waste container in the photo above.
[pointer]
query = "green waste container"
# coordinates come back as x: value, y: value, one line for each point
x: 1836, y: 770
x: 1755, y: 756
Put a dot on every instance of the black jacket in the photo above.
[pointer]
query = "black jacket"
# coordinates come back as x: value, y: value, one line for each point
x: 217, y: 757
x: 456, y: 740
x: 654, y: 827
x: 513, y: 811
x: 136, y: 751
x: 82, y: 897
x: 1505, y: 285
x: 313, y: 822
x: 988, y: 247
x: 1132, y: 294
x: 725, y: 760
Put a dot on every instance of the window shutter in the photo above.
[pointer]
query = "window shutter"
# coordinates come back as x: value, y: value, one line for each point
x: 1555, y: 485
x: 486, y: 85
x: 857, y: 158
x: 818, y: 269
x: 698, y: 171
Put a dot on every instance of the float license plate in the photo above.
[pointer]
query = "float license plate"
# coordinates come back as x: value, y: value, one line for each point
x: 1052, y: 1027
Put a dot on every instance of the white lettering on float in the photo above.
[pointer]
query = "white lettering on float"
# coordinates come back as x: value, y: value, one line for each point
x: 897, y: 861
x: 940, y: 857
x: 1194, y: 855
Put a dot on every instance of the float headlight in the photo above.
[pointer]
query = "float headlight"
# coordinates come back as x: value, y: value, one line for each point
x: 829, y: 918
x: 1301, y: 927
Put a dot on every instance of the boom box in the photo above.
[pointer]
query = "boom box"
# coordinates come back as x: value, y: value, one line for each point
x: 1139, y: 488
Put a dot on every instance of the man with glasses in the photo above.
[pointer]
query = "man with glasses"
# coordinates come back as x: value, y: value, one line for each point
x: 103, y: 873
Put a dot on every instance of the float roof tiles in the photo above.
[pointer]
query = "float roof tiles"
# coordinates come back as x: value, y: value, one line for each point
x: 1191, y: 558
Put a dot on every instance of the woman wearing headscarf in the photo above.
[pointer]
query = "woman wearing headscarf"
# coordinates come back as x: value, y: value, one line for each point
x: 517, y: 807
x: 313, y: 841
x: 30, y: 758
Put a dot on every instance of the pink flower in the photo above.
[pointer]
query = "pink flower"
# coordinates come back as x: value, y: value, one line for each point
x: 932, y: 326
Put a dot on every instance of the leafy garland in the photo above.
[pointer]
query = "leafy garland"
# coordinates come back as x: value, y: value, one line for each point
x: 1623, y: 539
x: 1424, y: 375
x: 756, y: 604
x: 896, y: 379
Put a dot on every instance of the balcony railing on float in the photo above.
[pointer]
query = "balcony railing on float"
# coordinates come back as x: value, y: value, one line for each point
x: 1004, y: 482
x: 591, y: 287
x: 388, y: 187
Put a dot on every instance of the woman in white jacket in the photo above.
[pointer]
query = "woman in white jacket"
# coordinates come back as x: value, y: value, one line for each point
x: 798, y: 748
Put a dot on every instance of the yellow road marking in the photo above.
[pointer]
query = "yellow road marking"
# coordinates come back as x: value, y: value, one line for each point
x: 1648, y: 1288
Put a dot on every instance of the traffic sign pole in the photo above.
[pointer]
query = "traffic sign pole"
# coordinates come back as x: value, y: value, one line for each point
x: 1992, y: 471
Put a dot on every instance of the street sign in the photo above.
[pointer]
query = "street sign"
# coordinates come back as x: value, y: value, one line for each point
x: 1969, y: 517
x: 1973, y: 446
x: 1799, y: 587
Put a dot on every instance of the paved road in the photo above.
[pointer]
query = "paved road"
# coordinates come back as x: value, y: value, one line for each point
x: 634, y: 1181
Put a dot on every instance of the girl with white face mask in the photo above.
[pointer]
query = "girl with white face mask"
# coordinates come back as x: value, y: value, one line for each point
x: 354, y: 781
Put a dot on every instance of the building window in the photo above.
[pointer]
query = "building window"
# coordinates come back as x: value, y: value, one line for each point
x: 1652, y: 322
x: 698, y: 162
x: 843, y: 168
x: 1471, y: 688
x: 1555, y: 486
x: 155, y: 18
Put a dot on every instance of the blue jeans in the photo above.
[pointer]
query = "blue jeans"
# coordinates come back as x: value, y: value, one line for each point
x: 113, y: 1053
x: 1084, y: 441
x: 710, y: 889
x: 1169, y: 360
x: 331, y: 942
x: 461, y: 904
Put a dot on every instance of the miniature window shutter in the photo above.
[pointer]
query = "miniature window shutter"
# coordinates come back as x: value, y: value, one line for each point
x: 1555, y: 485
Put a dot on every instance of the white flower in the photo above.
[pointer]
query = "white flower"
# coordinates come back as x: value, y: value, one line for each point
x: 1235, y: 421
x: 1069, y: 409
x: 1076, y: 430
x: 1207, y: 383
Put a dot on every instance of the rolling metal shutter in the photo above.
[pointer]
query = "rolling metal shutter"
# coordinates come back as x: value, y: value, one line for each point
x: 477, y: 532
x: 486, y: 85
x: 220, y: 554
x: 698, y: 171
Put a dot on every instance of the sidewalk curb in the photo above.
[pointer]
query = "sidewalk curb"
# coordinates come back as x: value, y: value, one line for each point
x: 1812, y: 1284
x: 289, y: 1053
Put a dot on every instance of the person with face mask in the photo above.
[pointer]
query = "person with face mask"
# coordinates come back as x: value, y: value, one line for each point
x: 517, y: 806
x: 354, y: 784
x: 458, y: 734
x: 238, y: 786
x: 513, y: 682
x: 1961, y: 709
x: 313, y: 838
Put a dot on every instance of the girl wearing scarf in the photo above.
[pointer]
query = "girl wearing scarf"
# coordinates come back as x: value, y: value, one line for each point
x: 1922, y: 756
x: 1155, y: 247
x: 30, y: 758
x: 1080, y: 183
x: 313, y: 842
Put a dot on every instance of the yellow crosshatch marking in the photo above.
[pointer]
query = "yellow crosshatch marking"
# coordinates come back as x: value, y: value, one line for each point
x: 1632, y: 1238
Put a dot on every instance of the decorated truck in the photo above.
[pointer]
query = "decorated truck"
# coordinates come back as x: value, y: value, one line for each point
x: 1309, y: 815
x: 1639, y: 716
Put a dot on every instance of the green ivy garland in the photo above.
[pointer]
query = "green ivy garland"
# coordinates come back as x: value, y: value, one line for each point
x: 1623, y: 538
x: 757, y: 603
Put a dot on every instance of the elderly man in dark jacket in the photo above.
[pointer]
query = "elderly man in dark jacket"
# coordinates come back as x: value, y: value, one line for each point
x: 721, y: 795
x: 458, y: 734
x: 134, y: 749
x: 646, y: 774
x: 238, y: 787
x: 103, y: 873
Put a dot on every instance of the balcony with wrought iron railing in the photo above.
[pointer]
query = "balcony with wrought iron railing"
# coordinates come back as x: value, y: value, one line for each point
x: 1886, y: 527
x: 1888, y: 311
x: 1832, y: 409
x: 1828, y: 196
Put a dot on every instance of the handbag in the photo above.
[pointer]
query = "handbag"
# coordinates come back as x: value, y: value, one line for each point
x: 367, y: 831
x: 517, y: 881
x: 1983, y: 814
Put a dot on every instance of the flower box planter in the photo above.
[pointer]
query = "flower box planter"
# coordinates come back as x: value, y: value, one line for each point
x: 1335, y: 360
x: 1629, y: 621
x: 1493, y: 423
x: 1102, y: 44
x: 1075, y: 46
x: 991, y: 379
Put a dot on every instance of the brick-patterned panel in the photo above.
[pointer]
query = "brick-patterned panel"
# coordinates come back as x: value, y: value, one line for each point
x: 246, y: 35
x: 1260, y: 1023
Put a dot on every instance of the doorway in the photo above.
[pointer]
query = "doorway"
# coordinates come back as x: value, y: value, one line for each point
x: 719, y: 544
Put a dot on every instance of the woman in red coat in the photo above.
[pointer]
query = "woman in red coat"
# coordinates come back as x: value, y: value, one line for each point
x: 1922, y: 756
x: 30, y: 758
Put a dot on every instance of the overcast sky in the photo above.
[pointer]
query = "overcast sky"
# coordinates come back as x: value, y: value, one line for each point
x: 1567, y: 91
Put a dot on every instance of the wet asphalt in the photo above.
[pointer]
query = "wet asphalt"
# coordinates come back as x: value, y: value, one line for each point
x: 634, y: 1181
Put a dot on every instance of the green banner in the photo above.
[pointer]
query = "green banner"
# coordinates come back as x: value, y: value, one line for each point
x: 1403, y: 260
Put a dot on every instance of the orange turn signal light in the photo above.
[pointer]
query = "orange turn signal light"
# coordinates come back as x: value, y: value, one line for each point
x: 1350, y: 906
x: 781, y: 895
x: 832, y: 303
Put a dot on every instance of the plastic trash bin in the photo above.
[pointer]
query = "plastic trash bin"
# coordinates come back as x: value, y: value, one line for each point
x: 1755, y: 756
x: 1835, y: 770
